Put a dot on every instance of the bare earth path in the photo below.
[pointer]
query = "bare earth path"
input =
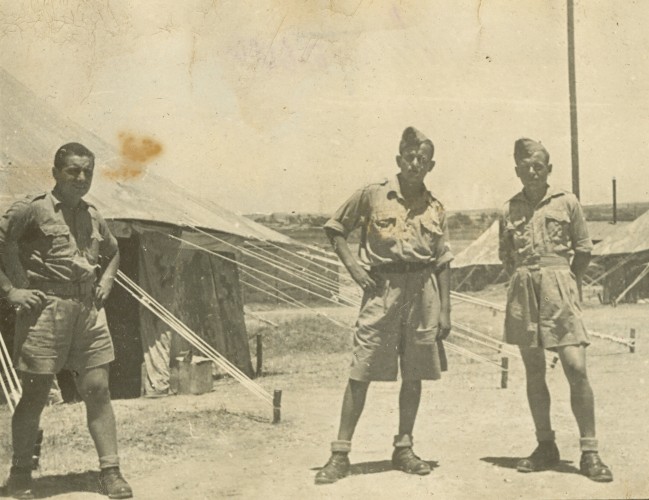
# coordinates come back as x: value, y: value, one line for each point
x: 470, y: 430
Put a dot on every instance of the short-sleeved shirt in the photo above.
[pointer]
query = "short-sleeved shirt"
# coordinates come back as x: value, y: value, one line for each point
x: 555, y: 227
x: 43, y: 240
x: 393, y: 230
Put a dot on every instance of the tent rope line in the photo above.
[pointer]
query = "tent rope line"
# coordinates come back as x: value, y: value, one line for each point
x: 185, y: 332
x: 290, y: 272
x: 9, y: 380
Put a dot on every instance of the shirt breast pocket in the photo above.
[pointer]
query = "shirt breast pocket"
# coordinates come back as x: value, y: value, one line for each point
x: 430, y: 226
x: 57, y: 239
x: 517, y: 229
x: 383, y: 226
x: 557, y: 229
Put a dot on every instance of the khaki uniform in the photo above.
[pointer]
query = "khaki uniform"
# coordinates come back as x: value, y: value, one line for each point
x: 47, y: 246
x: 402, y: 245
x: 538, y: 242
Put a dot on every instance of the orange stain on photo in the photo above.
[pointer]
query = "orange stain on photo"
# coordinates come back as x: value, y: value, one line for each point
x: 136, y: 152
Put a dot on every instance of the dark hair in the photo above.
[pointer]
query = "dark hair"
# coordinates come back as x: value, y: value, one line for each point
x: 70, y: 149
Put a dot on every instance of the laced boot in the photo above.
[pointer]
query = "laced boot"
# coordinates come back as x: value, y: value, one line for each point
x: 113, y: 483
x: 337, y: 466
x: 404, y: 459
x: 545, y: 456
x: 19, y: 483
x: 593, y: 468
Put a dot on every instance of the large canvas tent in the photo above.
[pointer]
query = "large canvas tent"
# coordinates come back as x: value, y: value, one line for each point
x: 156, y: 224
x: 624, y: 258
x: 478, y: 265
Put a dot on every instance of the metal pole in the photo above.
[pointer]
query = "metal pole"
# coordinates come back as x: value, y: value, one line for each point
x: 614, y: 201
x: 574, y: 141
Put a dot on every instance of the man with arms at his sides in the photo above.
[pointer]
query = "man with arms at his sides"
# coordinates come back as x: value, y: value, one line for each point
x: 52, y: 247
x: 405, y: 310
x: 545, y: 245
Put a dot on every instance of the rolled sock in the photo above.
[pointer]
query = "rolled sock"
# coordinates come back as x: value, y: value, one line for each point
x: 588, y: 444
x: 108, y: 461
x: 544, y: 436
x: 402, y: 441
x: 341, y: 446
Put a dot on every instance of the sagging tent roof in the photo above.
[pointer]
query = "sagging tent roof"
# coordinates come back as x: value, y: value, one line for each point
x: 598, y: 230
x: 482, y: 252
x: 627, y: 239
x: 30, y: 133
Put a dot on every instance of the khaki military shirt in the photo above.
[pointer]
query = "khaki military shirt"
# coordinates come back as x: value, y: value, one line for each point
x: 554, y: 228
x: 43, y: 240
x: 393, y: 230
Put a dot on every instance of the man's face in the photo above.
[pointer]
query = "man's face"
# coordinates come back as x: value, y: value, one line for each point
x: 75, y: 176
x: 534, y: 170
x: 415, y: 162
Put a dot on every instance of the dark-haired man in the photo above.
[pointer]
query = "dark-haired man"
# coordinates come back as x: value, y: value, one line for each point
x: 59, y: 260
x: 545, y: 246
x: 405, y: 311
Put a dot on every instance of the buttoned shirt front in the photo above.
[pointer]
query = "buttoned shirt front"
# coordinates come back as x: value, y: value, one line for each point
x: 393, y: 229
x: 555, y: 227
x: 41, y: 239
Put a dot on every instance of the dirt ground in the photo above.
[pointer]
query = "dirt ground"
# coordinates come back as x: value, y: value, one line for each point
x: 470, y: 430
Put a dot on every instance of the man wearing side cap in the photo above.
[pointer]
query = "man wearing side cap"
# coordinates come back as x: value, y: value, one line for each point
x: 545, y: 246
x: 59, y: 261
x: 405, y: 312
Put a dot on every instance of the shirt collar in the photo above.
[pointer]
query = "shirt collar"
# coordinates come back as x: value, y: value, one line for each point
x: 57, y: 204
x: 550, y: 193
x: 394, y: 187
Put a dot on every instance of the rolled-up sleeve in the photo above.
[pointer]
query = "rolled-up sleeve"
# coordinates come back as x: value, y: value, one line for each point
x: 109, y: 245
x: 579, y: 236
x: 350, y: 214
x: 443, y: 254
x: 12, y: 227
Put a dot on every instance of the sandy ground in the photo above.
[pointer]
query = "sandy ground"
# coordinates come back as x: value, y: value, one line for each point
x: 470, y: 430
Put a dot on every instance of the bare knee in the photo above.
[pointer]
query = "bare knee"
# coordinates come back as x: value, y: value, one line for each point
x: 95, y: 394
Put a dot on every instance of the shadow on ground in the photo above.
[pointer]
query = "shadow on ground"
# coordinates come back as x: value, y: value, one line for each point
x: 510, y: 463
x: 47, y: 486
x: 376, y: 467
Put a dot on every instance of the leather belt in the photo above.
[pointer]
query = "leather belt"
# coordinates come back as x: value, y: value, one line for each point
x: 402, y: 267
x: 63, y: 289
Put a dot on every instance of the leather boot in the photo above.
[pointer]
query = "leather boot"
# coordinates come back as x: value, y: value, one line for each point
x: 113, y: 483
x: 545, y: 456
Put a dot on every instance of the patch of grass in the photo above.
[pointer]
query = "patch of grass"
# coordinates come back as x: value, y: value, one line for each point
x: 302, y: 334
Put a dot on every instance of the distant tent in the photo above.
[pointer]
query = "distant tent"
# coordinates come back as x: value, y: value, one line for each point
x: 624, y: 257
x: 202, y: 290
x: 478, y: 265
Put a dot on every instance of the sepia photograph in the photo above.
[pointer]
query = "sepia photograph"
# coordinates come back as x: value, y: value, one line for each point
x: 284, y: 249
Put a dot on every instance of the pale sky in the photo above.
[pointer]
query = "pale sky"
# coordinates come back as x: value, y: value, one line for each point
x: 291, y: 105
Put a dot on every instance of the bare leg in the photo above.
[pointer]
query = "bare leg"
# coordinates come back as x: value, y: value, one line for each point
x: 353, y: 404
x: 26, y: 418
x: 538, y: 395
x: 409, y: 398
x: 92, y: 385
x: 573, y: 360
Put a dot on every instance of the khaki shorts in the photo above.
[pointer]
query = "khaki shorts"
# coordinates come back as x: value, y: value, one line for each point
x: 543, y: 309
x: 68, y: 333
x: 399, y: 325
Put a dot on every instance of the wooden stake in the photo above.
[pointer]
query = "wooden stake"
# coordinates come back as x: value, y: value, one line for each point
x: 504, y: 361
x: 632, y: 343
x: 277, y: 405
x: 260, y: 354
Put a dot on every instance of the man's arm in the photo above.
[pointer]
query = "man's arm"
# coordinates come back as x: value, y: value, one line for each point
x: 106, y: 280
x: 579, y: 264
x: 444, y: 284
x: 12, y: 226
x: 358, y: 274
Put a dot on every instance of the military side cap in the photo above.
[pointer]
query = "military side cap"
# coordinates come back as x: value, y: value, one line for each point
x: 524, y: 148
x: 413, y: 137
